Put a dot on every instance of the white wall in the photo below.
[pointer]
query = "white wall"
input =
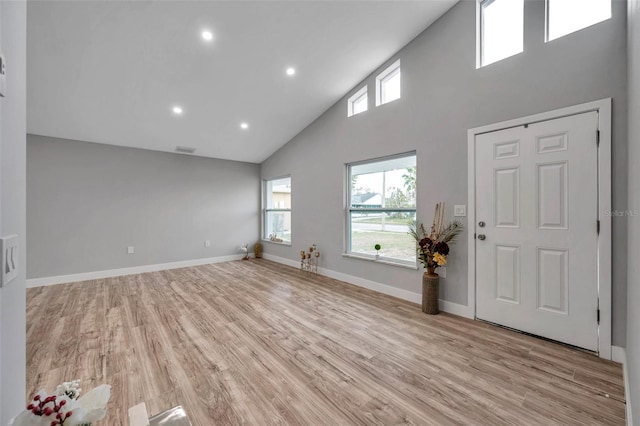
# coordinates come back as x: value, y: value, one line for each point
x: 633, y: 285
x: 1, y: 119
x: 13, y: 20
x: 443, y: 95
x: 88, y: 202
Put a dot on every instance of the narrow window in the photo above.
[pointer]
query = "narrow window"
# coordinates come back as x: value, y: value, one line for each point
x: 501, y: 30
x: 277, y: 210
x: 382, y: 204
x: 388, y: 84
x: 568, y: 16
x: 358, y: 102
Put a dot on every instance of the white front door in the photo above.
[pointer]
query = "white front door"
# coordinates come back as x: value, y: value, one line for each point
x: 536, y: 227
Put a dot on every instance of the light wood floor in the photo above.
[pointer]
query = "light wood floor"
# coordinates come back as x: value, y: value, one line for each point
x: 260, y: 343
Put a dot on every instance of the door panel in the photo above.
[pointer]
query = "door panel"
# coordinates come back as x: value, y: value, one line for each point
x: 508, y: 273
x: 507, y: 194
x: 553, y: 280
x: 552, y: 143
x: 536, y: 190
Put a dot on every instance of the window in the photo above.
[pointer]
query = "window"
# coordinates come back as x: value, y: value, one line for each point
x: 358, y: 102
x: 277, y: 210
x: 382, y: 204
x: 388, y: 85
x: 501, y: 30
x: 567, y: 16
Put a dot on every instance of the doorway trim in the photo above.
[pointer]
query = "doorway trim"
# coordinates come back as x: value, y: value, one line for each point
x: 603, y: 108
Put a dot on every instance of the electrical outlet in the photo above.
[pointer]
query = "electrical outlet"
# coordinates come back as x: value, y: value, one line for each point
x: 131, y: 250
x: 207, y: 243
x: 460, y: 210
x: 9, y: 248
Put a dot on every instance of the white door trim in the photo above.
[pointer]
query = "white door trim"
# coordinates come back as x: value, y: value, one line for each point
x: 603, y: 107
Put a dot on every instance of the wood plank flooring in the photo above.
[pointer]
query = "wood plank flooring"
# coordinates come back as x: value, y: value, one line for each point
x: 260, y: 343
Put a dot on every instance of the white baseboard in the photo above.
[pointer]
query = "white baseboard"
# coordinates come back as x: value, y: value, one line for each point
x: 446, y: 306
x: 619, y: 354
x: 456, y: 309
x: 96, y: 275
x: 282, y: 260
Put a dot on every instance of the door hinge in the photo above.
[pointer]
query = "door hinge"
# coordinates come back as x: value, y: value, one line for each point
x: 474, y: 235
x: 598, y: 315
x: 598, y: 227
x: 598, y: 138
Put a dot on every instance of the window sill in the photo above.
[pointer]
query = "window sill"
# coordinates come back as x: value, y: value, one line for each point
x: 283, y: 243
x: 383, y: 260
x: 387, y: 102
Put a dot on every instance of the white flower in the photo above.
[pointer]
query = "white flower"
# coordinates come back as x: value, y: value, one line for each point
x: 85, y: 410
x: 93, y: 405
x: 70, y: 389
x: 89, y: 408
x: 27, y: 418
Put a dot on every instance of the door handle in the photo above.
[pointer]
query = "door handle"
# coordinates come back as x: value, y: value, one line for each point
x: 482, y: 237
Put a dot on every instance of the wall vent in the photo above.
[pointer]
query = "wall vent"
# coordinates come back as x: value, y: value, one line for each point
x: 185, y: 150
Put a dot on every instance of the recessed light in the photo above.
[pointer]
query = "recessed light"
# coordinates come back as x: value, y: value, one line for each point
x: 207, y: 35
x: 177, y: 110
x: 291, y: 71
x: 244, y: 125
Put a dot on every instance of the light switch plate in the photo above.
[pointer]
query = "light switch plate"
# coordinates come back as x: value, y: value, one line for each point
x: 3, y: 77
x: 10, y: 260
x: 460, y: 210
x: 131, y: 250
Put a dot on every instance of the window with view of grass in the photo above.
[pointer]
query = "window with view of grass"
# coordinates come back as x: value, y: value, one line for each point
x: 277, y: 210
x: 382, y: 205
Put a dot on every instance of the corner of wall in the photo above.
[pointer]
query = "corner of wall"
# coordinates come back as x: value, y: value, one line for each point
x: 13, y: 38
x: 632, y: 366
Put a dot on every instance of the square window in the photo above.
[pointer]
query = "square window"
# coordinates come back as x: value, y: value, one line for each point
x: 358, y: 103
x: 501, y: 30
x: 388, y: 84
x: 568, y: 16
x: 277, y: 210
x: 382, y: 205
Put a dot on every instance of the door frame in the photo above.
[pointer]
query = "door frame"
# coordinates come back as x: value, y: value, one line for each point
x: 603, y: 107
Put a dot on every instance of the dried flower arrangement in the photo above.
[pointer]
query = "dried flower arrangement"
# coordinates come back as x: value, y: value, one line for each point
x: 433, y: 247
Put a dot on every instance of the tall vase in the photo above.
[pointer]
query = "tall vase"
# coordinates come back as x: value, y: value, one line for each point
x: 430, y: 292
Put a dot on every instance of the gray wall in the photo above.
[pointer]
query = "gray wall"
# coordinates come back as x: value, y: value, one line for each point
x: 443, y: 95
x: 87, y: 202
x: 13, y: 128
x: 633, y: 299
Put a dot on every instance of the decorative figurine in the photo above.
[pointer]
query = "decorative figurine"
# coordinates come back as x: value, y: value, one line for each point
x: 257, y: 251
x: 245, y: 249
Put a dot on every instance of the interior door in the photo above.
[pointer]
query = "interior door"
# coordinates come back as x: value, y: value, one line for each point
x: 536, y: 229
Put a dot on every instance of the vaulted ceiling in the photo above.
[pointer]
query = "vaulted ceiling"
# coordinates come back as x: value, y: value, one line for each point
x: 112, y: 71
